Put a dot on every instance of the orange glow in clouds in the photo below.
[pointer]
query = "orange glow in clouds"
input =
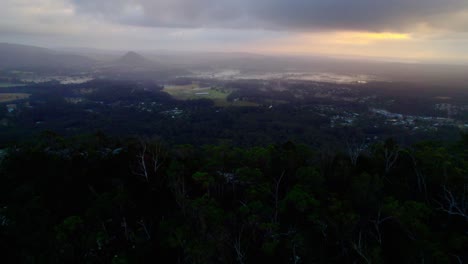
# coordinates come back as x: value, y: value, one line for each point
x: 346, y: 43
x: 383, y: 36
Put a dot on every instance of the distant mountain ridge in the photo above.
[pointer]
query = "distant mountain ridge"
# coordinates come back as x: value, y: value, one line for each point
x: 24, y: 57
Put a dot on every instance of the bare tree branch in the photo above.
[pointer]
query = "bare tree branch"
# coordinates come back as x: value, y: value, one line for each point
x: 141, y: 159
x: 355, y: 150
x: 455, y: 205
x: 150, y: 158
x: 360, y: 248
x: 240, y: 252
x: 145, y: 228
x: 391, y: 156
x: 276, y: 196
x: 377, y: 223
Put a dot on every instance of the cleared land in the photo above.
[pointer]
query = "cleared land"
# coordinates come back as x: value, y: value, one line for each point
x: 190, y: 92
x: 10, y: 97
x: 6, y: 85
x: 194, y: 91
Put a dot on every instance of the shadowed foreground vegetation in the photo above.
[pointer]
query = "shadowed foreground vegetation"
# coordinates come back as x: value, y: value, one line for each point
x: 93, y: 199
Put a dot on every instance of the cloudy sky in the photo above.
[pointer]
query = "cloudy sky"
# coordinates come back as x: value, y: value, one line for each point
x: 411, y: 30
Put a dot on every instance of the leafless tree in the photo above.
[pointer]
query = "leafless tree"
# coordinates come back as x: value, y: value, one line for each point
x: 142, y: 168
x: 377, y: 223
x: 453, y: 204
x: 276, y: 194
x: 360, y: 248
x: 459, y: 260
x: 390, y: 157
x: 237, y: 243
x: 157, y: 157
x: 296, y: 259
x: 143, y: 224
x: 355, y: 150
x: 149, y: 159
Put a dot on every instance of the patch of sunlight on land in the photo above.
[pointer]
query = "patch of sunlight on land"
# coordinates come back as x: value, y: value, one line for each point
x: 6, y: 85
x: 194, y: 91
x: 10, y: 97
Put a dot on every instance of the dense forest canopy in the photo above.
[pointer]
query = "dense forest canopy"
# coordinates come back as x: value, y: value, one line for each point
x: 97, y: 199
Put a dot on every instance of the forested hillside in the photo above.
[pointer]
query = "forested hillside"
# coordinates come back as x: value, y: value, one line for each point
x: 94, y: 199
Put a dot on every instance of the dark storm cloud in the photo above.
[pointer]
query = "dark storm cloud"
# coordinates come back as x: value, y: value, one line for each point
x: 300, y: 15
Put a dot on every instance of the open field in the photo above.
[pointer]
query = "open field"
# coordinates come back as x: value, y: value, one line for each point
x: 194, y: 91
x: 10, y: 97
x: 6, y: 85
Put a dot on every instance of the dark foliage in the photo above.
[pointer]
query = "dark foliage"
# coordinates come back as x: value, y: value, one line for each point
x: 93, y: 199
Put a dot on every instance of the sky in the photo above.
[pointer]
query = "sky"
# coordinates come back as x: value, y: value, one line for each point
x: 406, y: 30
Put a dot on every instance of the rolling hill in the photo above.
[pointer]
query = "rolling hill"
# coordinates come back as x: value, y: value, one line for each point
x: 22, y: 57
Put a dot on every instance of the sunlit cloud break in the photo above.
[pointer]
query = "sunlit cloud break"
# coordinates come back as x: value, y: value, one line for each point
x: 383, y: 36
x: 431, y: 30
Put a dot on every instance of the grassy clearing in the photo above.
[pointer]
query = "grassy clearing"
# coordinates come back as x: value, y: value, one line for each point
x: 6, y: 85
x: 10, y: 97
x: 194, y: 91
